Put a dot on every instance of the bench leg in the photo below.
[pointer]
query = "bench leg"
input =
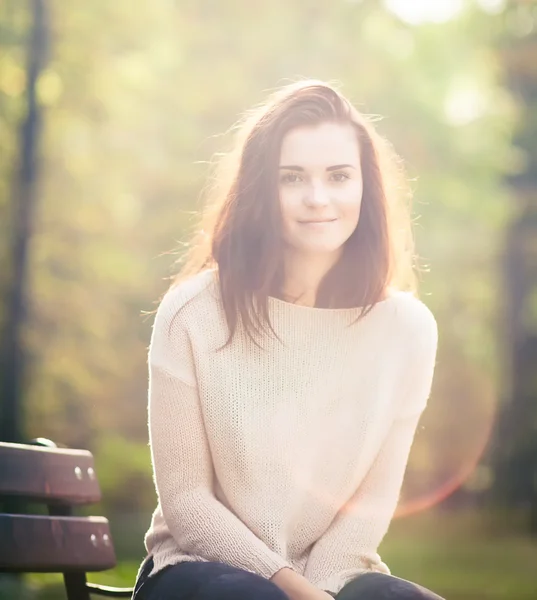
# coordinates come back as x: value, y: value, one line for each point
x: 75, y: 586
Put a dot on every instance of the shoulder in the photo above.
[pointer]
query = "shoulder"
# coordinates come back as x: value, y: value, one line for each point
x: 418, y: 341
x: 182, y: 307
x: 415, y: 322
x: 197, y: 293
x: 413, y: 312
x: 192, y: 311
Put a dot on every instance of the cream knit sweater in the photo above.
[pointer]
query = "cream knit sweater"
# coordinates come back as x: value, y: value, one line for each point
x: 291, y: 456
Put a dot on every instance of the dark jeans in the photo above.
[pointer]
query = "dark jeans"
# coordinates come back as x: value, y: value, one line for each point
x: 218, y: 581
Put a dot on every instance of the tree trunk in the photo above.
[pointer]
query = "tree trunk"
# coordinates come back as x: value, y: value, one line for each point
x: 12, y: 355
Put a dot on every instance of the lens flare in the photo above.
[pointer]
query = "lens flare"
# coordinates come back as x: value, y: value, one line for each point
x: 450, y: 441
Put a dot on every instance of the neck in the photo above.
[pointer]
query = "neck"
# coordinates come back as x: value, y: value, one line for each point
x: 303, y: 275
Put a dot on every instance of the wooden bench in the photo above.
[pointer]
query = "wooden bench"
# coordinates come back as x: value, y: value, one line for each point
x: 58, y: 542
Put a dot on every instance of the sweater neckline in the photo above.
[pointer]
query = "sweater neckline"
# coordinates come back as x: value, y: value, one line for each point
x: 279, y: 305
x: 303, y: 309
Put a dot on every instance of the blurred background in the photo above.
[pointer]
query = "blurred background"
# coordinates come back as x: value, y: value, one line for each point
x: 110, y: 115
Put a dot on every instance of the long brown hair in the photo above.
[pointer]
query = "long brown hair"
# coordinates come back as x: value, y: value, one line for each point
x: 241, y: 234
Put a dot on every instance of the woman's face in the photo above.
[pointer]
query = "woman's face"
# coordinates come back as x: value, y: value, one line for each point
x: 320, y: 188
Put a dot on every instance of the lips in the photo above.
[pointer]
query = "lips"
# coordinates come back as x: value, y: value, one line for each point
x: 317, y: 221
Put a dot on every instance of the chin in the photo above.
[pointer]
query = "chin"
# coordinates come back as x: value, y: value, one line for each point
x: 327, y: 248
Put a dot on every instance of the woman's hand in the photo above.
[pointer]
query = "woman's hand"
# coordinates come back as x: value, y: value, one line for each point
x: 298, y: 587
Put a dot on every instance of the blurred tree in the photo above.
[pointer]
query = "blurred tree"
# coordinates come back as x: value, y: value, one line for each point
x: 12, y: 350
x: 136, y: 101
x: 516, y: 434
x: 14, y: 17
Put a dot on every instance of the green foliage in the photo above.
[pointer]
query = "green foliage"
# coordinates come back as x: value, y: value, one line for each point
x: 131, y: 125
x: 137, y: 103
x: 455, y: 555
x: 12, y: 586
x: 124, y: 471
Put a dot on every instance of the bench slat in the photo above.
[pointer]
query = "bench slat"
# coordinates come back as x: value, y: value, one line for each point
x: 55, y: 544
x: 48, y: 474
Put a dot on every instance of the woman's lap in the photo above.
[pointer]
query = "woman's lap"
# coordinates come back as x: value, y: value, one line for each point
x: 207, y: 581
x: 218, y: 581
x: 378, y: 586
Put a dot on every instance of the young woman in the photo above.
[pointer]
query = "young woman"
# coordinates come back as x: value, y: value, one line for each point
x: 289, y: 368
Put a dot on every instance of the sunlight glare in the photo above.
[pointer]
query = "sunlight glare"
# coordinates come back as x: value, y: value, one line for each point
x: 464, y: 104
x: 493, y: 7
x: 416, y: 12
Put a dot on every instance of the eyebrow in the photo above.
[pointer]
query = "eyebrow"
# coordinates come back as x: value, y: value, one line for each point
x: 332, y: 168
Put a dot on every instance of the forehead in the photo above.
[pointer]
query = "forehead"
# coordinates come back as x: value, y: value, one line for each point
x: 320, y: 145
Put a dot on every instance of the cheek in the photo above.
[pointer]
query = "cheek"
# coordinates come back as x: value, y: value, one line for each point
x: 289, y: 201
x: 350, y: 204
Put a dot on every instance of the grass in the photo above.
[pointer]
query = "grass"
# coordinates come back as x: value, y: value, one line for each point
x: 464, y: 556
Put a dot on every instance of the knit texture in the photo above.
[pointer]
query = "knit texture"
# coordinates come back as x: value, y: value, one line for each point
x: 290, y: 455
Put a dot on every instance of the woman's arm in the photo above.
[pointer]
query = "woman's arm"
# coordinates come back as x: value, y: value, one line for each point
x: 198, y: 521
x: 183, y: 473
x: 183, y: 470
x: 349, y: 546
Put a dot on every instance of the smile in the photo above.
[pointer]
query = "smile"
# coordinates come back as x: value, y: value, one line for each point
x: 317, y: 222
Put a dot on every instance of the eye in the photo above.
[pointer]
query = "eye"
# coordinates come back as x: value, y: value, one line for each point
x: 340, y: 176
x: 290, y: 178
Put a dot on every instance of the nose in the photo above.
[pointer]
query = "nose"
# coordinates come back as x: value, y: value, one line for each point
x: 316, y: 195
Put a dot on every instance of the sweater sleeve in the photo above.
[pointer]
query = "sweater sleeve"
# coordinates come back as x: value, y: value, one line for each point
x: 182, y: 465
x: 349, y: 546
